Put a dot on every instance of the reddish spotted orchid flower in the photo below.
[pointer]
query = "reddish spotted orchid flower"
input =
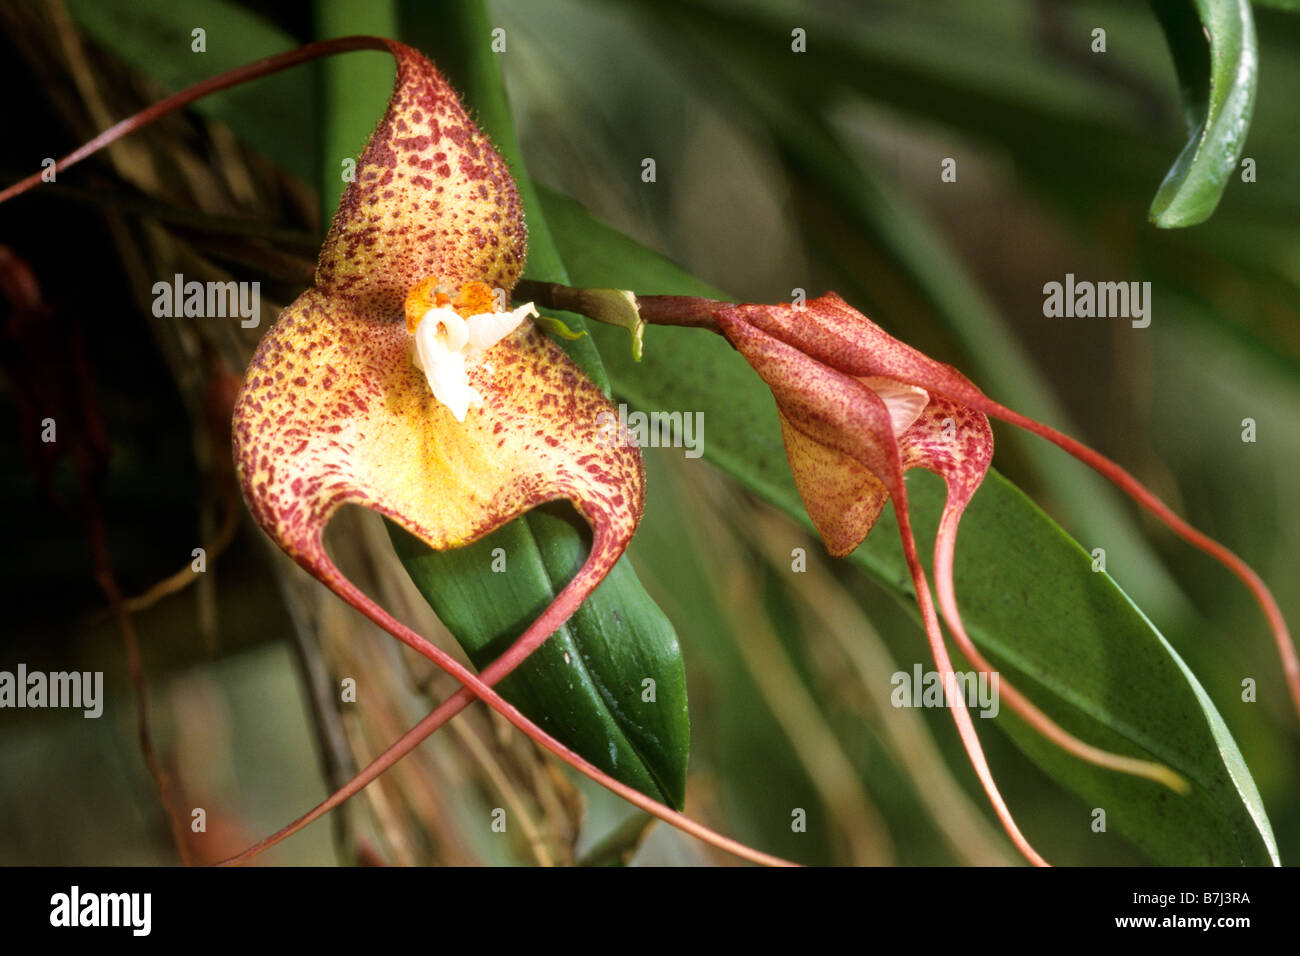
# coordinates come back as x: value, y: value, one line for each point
x: 858, y: 409
x: 399, y: 382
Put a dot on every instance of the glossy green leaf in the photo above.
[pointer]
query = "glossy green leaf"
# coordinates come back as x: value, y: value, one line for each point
x: 586, y: 685
x: 1213, y: 46
x: 1069, y: 637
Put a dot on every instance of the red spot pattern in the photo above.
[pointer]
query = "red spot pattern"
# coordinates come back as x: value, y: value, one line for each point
x: 431, y: 197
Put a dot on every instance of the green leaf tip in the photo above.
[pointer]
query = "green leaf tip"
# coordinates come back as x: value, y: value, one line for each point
x: 1217, y: 81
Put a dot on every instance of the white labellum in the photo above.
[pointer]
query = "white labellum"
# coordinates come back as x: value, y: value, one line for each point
x: 445, y: 343
x: 905, y: 403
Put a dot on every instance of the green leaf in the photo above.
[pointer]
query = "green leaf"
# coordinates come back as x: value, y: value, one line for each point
x: 1070, y: 637
x: 584, y: 685
x: 354, y: 89
x: 1217, y: 79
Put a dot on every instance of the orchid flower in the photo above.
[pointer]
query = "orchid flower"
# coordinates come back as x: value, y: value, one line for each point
x: 399, y: 382
x: 858, y: 408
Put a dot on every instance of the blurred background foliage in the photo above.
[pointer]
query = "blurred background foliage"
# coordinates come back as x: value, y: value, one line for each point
x: 773, y: 173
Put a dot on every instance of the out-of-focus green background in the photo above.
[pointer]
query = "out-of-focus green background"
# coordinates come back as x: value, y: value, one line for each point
x: 1059, y: 151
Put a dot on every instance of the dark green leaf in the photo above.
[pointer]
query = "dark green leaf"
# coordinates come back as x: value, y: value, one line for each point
x: 585, y: 685
x: 1213, y: 46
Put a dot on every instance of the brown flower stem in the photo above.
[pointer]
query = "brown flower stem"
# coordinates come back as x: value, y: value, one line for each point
x: 681, y: 310
x: 551, y: 295
x: 186, y: 576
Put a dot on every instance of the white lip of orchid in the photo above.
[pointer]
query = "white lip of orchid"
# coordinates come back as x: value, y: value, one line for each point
x: 905, y: 403
x: 445, y: 342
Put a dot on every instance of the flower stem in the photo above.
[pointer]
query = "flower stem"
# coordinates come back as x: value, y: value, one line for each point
x: 222, y: 81
x: 564, y: 605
